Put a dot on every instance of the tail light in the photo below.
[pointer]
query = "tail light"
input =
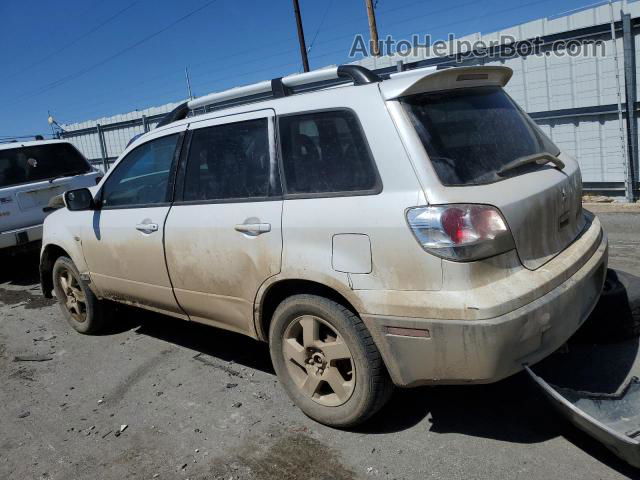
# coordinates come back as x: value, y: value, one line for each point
x: 461, y: 232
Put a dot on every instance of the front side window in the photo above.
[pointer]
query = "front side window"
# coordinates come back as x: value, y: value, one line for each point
x: 142, y: 177
x: 230, y: 161
x: 471, y: 133
x: 325, y: 152
x: 40, y: 162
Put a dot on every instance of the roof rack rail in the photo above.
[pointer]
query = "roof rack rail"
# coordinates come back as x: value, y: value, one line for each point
x: 276, y: 88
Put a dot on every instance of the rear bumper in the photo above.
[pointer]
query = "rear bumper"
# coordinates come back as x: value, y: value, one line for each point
x: 484, y: 351
x: 20, y: 236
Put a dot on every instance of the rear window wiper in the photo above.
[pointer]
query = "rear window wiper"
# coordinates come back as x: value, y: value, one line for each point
x: 541, y: 158
x: 68, y: 174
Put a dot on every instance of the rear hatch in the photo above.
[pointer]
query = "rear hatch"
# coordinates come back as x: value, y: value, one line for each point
x: 486, y: 150
x: 30, y: 175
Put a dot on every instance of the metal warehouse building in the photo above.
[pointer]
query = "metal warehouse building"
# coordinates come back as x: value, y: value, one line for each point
x: 587, y: 103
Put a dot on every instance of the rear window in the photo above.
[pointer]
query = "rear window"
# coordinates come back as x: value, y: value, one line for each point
x: 40, y: 162
x: 470, y: 134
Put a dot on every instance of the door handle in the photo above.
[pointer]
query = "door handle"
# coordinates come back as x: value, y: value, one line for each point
x: 147, y: 227
x: 253, y: 229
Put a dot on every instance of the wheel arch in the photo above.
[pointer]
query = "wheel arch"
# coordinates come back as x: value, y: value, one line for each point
x: 50, y: 253
x: 273, y: 294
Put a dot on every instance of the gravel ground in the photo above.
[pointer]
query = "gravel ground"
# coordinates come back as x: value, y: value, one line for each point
x: 158, y: 398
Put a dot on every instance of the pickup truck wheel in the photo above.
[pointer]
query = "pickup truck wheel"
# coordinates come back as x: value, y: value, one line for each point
x: 327, y: 361
x: 80, y: 307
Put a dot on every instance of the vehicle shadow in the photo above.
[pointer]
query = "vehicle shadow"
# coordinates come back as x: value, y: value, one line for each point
x: 513, y: 410
x: 220, y: 344
x: 21, y: 268
x: 632, y: 286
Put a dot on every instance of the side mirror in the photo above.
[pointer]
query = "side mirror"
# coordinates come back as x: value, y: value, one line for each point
x: 80, y: 199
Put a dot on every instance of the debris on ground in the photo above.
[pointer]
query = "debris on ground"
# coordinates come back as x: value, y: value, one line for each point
x: 597, y: 199
x: 24, y: 414
x: 213, y: 362
x: 44, y: 339
x: 237, y: 405
x: 31, y: 358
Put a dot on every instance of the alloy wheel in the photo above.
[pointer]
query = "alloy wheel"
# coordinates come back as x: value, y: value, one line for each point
x: 74, y: 298
x: 319, y: 361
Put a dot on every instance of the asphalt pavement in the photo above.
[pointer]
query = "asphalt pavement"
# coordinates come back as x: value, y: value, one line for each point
x: 156, y: 397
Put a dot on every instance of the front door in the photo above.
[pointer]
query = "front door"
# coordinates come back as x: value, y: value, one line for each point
x: 123, y: 246
x: 223, y: 235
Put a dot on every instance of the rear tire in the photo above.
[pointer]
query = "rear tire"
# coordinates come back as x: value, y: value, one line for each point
x: 79, y: 305
x: 327, y: 361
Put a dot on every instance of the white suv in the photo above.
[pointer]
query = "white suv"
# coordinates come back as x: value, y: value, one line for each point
x: 415, y: 230
x: 31, y: 174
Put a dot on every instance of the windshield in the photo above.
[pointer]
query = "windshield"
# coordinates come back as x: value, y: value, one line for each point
x: 470, y: 134
x: 40, y: 162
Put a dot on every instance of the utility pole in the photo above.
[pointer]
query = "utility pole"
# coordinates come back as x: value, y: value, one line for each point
x: 186, y: 74
x: 303, y: 45
x: 373, y: 29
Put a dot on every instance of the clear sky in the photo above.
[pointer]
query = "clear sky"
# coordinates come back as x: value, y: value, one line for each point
x: 83, y: 59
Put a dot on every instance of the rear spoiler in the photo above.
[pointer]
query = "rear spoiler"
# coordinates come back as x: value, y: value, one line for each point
x: 433, y: 80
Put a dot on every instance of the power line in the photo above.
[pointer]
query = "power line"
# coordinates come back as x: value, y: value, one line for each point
x: 218, y: 80
x: 74, y: 41
x: 90, y: 68
x: 202, y: 76
x: 36, y: 40
x: 320, y: 25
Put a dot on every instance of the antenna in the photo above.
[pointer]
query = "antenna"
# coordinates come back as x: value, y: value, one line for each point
x: 186, y: 74
x: 56, y: 129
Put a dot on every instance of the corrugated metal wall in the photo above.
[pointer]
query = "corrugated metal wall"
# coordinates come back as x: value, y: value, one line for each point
x: 573, y: 99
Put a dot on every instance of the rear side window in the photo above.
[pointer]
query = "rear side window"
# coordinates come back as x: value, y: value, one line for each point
x: 326, y: 152
x: 142, y: 176
x: 230, y: 161
x: 40, y: 162
x: 470, y: 134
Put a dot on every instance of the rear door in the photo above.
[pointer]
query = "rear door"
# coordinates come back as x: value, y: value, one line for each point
x: 123, y: 241
x: 223, y: 235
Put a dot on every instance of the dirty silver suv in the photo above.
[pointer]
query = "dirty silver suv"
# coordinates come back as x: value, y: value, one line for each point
x: 415, y: 230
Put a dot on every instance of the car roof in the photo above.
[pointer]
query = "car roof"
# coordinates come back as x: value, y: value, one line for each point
x: 397, y: 85
x: 33, y: 143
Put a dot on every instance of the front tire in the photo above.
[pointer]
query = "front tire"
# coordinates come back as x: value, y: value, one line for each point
x: 327, y: 361
x: 79, y: 305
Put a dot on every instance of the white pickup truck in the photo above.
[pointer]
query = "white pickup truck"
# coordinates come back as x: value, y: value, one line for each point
x: 31, y: 173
